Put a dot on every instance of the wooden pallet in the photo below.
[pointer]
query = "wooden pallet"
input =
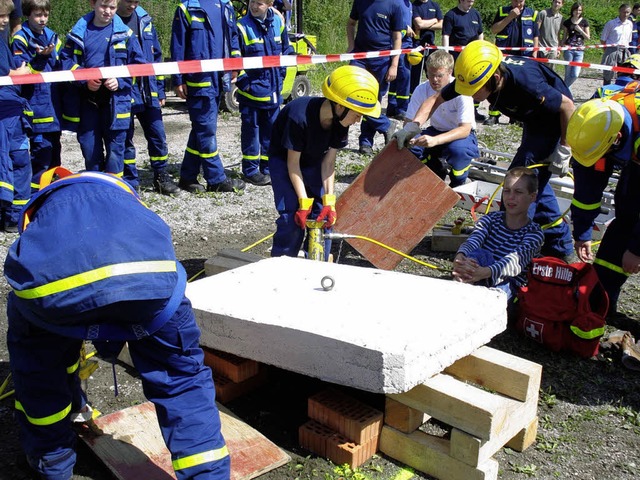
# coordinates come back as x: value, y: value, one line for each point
x: 489, y: 398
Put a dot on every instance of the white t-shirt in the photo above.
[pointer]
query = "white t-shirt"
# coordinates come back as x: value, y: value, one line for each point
x: 447, y: 116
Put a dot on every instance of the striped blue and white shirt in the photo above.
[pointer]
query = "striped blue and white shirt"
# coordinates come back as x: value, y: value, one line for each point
x: 512, y: 250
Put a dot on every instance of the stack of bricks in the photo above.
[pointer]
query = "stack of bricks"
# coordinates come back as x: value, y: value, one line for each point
x: 233, y: 376
x: 341, y: 428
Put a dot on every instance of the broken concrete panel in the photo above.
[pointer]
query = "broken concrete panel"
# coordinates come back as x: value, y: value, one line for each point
x: 375, y: 330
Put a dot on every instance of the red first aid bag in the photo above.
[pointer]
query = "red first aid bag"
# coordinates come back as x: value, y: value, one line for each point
x: 563, y: 306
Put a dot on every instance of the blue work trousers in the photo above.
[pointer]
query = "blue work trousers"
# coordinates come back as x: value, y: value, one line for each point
x: 153, y: 128
x: 289, y: 237
x: 102, y: 147
x: 536, y: 146
x: 202, y: 148
x: 174, y: 378
x: 400, y: 90
x: 255, y: 137
x: 620, y: 234
x: 378, y: 67
x: 19, y: 165
x: 45, y: 154
x: 457, y: 154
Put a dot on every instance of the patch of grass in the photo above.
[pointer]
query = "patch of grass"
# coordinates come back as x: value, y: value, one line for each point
x: 528, y: 470
x: 548, y: 398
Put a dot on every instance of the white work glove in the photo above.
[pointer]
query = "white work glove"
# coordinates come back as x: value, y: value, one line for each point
x: 559, y: 160
x: 406, y: 133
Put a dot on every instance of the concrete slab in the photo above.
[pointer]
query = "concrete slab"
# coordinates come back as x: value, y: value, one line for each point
x: 375, y: 330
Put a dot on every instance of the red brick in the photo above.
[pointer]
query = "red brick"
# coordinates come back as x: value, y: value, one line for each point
x: 236, y: 369
x: 355, y: 420
x: 227, y: 390
x: 313, y: 436
x: 340, y: 450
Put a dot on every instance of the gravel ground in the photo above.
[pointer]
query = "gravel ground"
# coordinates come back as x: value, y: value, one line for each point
x: 588, y: 410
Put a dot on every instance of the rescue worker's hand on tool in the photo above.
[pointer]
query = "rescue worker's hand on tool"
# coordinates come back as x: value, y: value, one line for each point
x: 328, y: 212
x: 406, y: 133
x: 559, y: 160
x: 583, y: 250
x: 304, y: 209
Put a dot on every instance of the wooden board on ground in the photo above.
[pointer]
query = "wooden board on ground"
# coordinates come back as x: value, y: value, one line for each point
x: 132, y: 446
x: 396, y: 200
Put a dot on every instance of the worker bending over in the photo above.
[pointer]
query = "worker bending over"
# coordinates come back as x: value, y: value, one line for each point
x: 93, y: 262
x: 528, y: 92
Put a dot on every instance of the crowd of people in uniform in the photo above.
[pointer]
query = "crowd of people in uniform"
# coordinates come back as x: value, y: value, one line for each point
x: 76, y: 271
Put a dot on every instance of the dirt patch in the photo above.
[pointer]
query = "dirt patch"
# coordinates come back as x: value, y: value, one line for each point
x: 588, y: 410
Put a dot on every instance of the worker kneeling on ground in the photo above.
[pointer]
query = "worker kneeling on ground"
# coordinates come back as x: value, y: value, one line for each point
x: 93, y: 262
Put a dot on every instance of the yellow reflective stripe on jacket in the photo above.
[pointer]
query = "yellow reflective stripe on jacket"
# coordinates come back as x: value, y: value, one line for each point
x: 123, y: 115
x: 159, y: 159
x: 200, y: 458
x: 587, y: 335
x: 129, y: 161
x: 201, y: 155
x: 18, y: 37
x: 610, y: 266
x: 250, y: 157
x: 71, y: 119
x: 77, y: 52
x: 198, y: 84
x: 257, y: 99
x: 6, y: 185
x: 96, y: 275
x: 44, y: 421
x: 43, y: 120
x: 245, y: 37
x: 73, y: 367
x: 21, y: 202
x: 585, y: 206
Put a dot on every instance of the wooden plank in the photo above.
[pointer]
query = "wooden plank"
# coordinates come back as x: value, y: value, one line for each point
x: 473, y: 451
x: 475, y: 411
x: 525, y: 437
x: 401, y: 417
x: 396, y: 200
x: 430, y: 455
x: 507, y: 374
x: 133, y: 449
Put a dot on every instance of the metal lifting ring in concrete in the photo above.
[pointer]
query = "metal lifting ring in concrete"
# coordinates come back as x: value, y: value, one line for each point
x: 327, y: 283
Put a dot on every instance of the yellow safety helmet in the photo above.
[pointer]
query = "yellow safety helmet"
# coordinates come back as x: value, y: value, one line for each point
x: 593, y: 128
x: 354, y: 88
x: 633, y: 61
x: 475, y: 66
x: 414, y: 58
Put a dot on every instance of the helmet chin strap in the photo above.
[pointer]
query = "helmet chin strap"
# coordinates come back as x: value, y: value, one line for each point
x: 338, y: 118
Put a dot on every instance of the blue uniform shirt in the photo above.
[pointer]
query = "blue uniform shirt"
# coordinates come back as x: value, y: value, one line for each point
x: 532, y: 94
x: 462, y: 27
x: 427, y: 11
x: 96, y: 41
x: 377, y: 19
x: 10, y: 102
x: 298, y: 128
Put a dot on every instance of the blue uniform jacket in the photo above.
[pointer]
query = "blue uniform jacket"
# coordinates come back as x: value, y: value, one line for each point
x: 44, y: 98
x: 121, y: 51
x: 76, y: 255
x: 194, y: 37
x: 262, y: 87
x: 590, y: 182
x: 148, y: 91
x: 508, y: 37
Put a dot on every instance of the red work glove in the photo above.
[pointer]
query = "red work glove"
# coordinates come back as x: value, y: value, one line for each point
x: 328, y: 212
x: 304, y: 209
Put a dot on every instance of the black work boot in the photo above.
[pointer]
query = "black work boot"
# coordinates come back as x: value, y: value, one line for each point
x: 163, y: 183
x: 229, y: 185
x: 191, y: 187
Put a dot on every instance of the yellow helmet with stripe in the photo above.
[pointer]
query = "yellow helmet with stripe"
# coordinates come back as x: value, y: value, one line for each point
x: 593, y: 128
x: 475, y: 66
x: 354, y: 88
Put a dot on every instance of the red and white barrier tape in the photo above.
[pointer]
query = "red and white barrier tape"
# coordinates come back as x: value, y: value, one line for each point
x: 230, y: 64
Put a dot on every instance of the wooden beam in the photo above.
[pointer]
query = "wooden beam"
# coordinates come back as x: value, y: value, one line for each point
x: 430, y: 455
x: 507, y: 374
x: 475, y: 411
x: 396, y: 200
x: 401, y: 417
